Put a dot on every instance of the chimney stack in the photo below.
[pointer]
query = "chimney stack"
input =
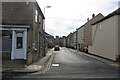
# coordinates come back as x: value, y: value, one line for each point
x: 64, y: 36
x: 57, y: 36
x: 93, y: 15
x: 87, y: 19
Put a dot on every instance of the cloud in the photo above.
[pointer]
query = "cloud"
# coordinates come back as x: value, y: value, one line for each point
x: 62, y: 26
x: 57, y: 26
x: 66, y: 15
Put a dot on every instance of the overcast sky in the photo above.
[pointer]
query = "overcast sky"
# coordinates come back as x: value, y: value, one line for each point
x: 66, y: 16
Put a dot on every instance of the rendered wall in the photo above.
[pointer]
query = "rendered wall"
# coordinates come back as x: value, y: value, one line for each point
x: 105, y: 41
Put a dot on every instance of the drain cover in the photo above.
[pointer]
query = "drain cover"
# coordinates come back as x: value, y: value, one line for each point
x: 55, y: 65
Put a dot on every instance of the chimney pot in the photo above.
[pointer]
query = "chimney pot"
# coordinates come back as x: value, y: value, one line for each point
x: 87, y: 19
x: 93, y: 15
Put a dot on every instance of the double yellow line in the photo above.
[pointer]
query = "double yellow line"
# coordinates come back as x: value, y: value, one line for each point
x: 48, y: 65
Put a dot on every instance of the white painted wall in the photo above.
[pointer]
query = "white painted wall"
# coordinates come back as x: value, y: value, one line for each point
x: 105, y: 42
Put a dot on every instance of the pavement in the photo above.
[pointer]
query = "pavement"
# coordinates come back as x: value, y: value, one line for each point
x: 18, y: 66
x: 103, y: 60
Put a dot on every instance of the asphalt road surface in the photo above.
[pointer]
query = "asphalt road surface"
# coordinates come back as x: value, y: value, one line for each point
x: 68, y: 64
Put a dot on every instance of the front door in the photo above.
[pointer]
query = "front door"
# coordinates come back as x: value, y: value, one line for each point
x: 19, y: 52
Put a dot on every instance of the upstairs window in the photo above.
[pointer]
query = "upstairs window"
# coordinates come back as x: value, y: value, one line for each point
x: 39, y: 18
x: 36, y: 16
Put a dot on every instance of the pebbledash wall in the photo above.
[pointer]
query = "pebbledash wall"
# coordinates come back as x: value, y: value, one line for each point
x: 106, y: 37
x: 27, y: 14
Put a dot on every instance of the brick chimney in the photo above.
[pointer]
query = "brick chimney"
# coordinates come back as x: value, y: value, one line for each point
x: 64, y: 36
x: 87, y: 19
x: 57, y: 36
x: 93, y: 15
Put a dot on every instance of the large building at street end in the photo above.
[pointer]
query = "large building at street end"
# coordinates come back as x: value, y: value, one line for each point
x: 60, y: 41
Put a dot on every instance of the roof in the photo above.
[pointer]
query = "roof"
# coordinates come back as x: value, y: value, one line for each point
x: 48, y: 35
x: 40, y: 10
x: 80, y: 27
x: 116, y: 12
x: 70, y: 34
x: 99, y: 14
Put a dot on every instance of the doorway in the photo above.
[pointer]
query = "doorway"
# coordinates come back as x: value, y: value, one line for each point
x: 19, y: 44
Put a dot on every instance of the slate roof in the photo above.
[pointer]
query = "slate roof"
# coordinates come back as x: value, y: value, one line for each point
x: 48, y: 35
x: 116, y: 12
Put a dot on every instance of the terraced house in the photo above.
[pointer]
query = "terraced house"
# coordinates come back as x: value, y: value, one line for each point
x: 84, y: 33
x: 106, y: 37
x: 22, y: 31
x: 69, y: 40
x: 80, y: 36
x: 73, y: 40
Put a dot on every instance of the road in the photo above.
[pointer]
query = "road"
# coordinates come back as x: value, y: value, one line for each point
x: 69, y: 64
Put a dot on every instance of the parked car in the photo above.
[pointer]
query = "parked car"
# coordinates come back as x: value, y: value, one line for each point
x: 56, y: 48
x: 84, y: 48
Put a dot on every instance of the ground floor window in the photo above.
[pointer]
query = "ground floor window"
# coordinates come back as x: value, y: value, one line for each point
x: 6, y: 40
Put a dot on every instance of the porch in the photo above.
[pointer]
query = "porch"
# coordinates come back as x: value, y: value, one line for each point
x: 14, y: 41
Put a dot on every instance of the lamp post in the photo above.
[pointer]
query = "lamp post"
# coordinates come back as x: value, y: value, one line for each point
x: 44, y: 30
x: 45, y: 8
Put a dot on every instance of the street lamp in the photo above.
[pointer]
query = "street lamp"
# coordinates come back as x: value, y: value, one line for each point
x: 44, y: 30
x: 45, y: 8
x: 44, y: 14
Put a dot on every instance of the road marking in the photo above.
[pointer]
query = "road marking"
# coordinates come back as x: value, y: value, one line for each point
x: 48, y: 64
x: 55, y: 65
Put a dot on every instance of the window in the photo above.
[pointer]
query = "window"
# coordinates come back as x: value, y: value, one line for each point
x: 19, y: 42
x: 39, y: 18
x: 7, y: 33
x: 36, y: 15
